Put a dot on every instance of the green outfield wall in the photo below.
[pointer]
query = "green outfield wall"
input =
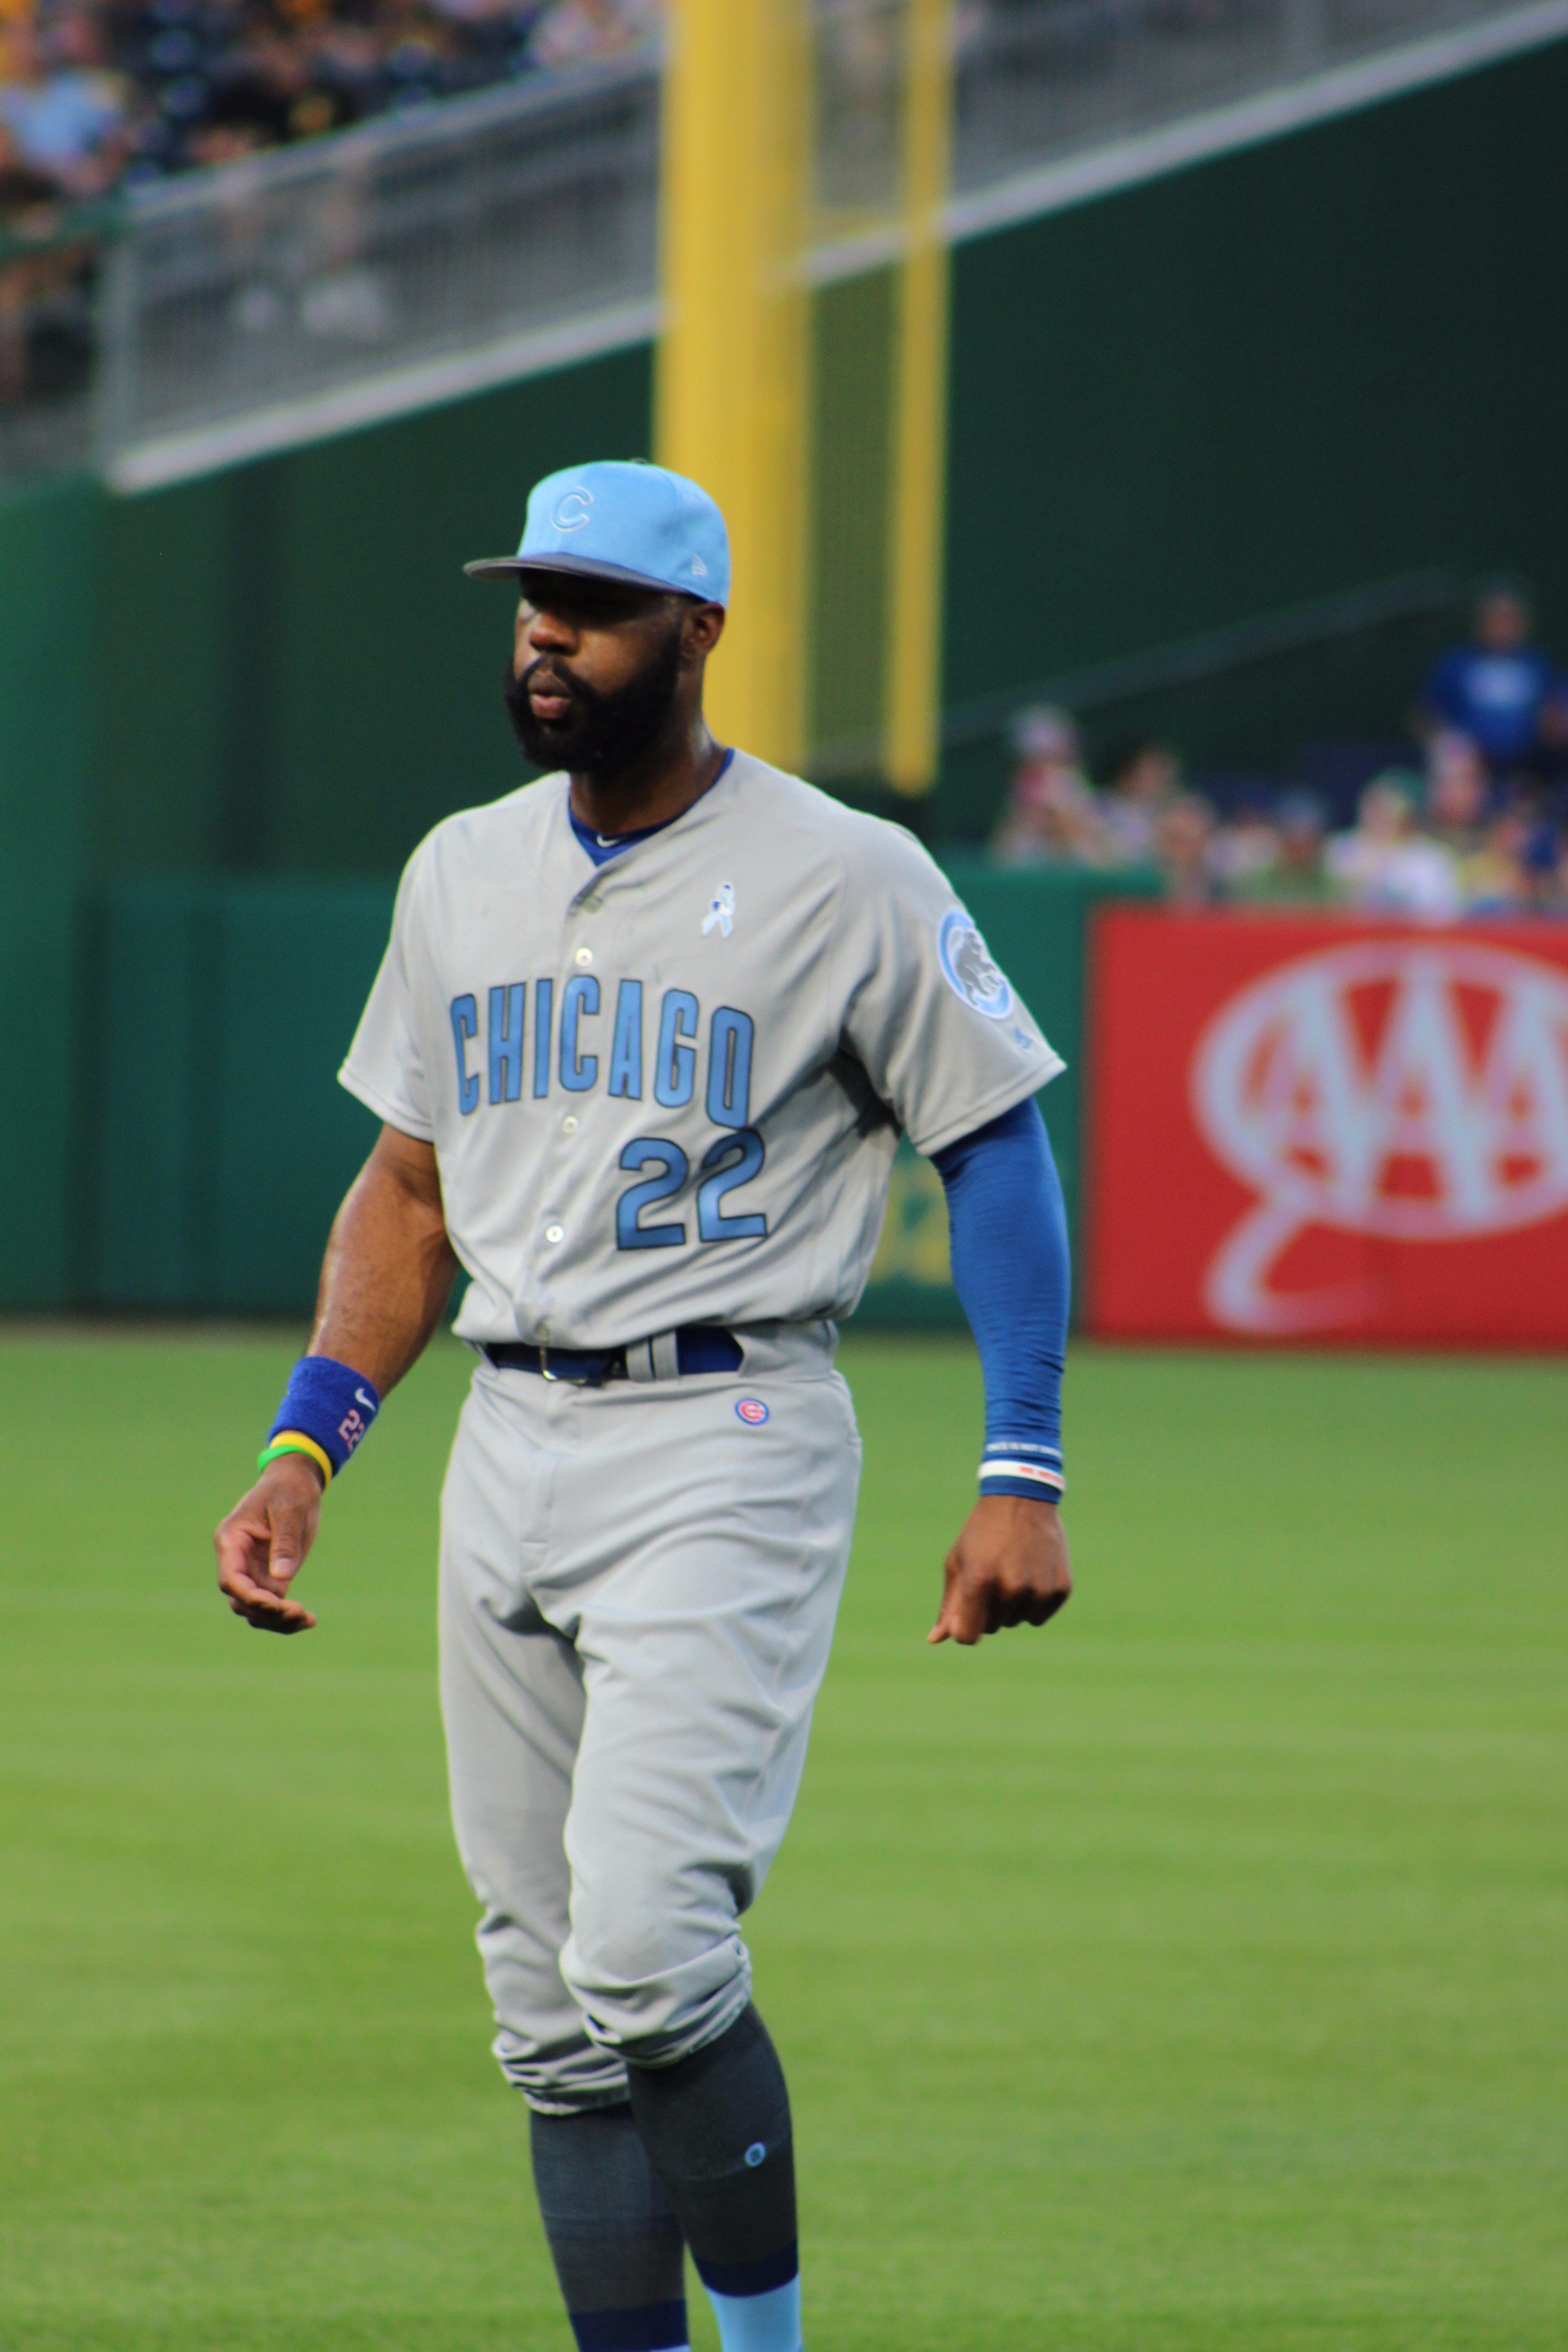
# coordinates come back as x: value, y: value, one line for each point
x: 50, y: 549
x: 222, y: 1142
x: 1270, y: 378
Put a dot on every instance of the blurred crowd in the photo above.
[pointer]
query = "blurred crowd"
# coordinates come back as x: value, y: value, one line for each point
x: 97, y: 93
x: 1474, y: 821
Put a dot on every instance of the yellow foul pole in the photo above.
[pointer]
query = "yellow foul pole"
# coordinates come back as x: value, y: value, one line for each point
x: 920, y: 439
x: 732, y: 385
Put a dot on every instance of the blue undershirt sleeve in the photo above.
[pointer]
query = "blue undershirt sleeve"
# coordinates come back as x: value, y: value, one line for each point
x: 1013, y: 1276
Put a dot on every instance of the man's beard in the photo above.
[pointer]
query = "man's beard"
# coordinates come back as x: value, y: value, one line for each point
x: 602, y: 733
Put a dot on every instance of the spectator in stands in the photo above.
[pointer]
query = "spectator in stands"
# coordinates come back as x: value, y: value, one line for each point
x: 1507, y: 858
x: 574, y: 29
x: 1384, y: 865
x: 1543, y: 862
x: 29, y: 215
x: 1137, y: 781
x: 29, y: 200
x: 494, y: 37
x: 1051, y: 818
x: 1458, y: 791
x: 1246, y: 846
x: 1550, y: 875
x: 1296, y: 875
x: 45, y: 283
x: 1184, y: 847
x: 265, y: 94
x: 208, y: 81
x: 1498, y: 689
x: 64, y: 112
x: 1495, y: 876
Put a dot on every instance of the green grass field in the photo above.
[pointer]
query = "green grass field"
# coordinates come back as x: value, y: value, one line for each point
x: 1190, y: 1978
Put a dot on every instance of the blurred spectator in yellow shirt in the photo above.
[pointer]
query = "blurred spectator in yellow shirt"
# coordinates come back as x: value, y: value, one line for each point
x: 1495, y: 875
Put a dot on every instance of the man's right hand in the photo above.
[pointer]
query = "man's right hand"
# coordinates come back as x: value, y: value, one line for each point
x: 262, y: 1546
x: 387, y: 1276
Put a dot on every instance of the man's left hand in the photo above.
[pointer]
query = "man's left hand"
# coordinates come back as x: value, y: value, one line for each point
x: 1010, y: 1567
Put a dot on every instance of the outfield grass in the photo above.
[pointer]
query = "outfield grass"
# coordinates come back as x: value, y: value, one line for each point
x: 1189, y: 1978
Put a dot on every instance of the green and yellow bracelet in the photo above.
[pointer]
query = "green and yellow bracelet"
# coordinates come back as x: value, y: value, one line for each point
x: 294, y: 1441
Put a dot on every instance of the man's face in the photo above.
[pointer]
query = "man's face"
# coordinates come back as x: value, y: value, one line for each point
x: 1501, y: 624
x: 596, y: 669
x: 1301, y: 846
x: 1149, y: 776
x: 1384, y: 813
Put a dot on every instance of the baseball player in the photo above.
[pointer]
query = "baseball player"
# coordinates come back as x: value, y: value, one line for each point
x: 643, y: 1043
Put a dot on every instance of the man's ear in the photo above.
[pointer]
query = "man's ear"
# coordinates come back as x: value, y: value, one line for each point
x: 701, y: 630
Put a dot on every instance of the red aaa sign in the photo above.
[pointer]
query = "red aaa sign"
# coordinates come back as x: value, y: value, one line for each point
x: 1319, y: 1128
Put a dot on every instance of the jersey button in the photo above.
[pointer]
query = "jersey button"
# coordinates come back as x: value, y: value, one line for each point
x: 569, y: 1124
x: 553, y: 1233
x: 582, y: 959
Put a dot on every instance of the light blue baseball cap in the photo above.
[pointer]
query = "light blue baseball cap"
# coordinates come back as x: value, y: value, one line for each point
x: 622, y: 521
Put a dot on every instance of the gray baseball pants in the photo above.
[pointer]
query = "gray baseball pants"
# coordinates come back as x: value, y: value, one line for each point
x: 638, y: 1590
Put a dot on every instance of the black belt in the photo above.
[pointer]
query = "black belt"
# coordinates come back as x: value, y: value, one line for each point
x: 699, y: 1347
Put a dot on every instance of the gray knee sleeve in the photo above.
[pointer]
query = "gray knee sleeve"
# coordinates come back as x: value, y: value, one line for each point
x: 717, y: 2125
x: 612, y: 2230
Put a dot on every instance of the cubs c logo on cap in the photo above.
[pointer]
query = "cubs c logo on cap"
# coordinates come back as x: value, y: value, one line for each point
x: 650, y: 529
x: 967, y: 967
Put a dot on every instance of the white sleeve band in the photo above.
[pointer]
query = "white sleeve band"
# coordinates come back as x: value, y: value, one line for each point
x: 1036, y: 1472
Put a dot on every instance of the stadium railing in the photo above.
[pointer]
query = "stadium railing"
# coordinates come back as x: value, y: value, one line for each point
x: 474, y: 240
x: 418, y: 257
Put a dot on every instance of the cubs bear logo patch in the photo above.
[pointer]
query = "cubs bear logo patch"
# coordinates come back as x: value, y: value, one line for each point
x: 967, y: 967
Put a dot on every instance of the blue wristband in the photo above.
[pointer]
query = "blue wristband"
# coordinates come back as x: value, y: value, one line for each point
x: 329, y: 1402
x: 1018, y: 1465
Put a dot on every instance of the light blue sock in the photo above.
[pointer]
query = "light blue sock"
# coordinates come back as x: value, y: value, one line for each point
x: 759, y: 2322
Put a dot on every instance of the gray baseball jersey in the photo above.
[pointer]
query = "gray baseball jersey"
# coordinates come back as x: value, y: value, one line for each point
x: 668, y: 1089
